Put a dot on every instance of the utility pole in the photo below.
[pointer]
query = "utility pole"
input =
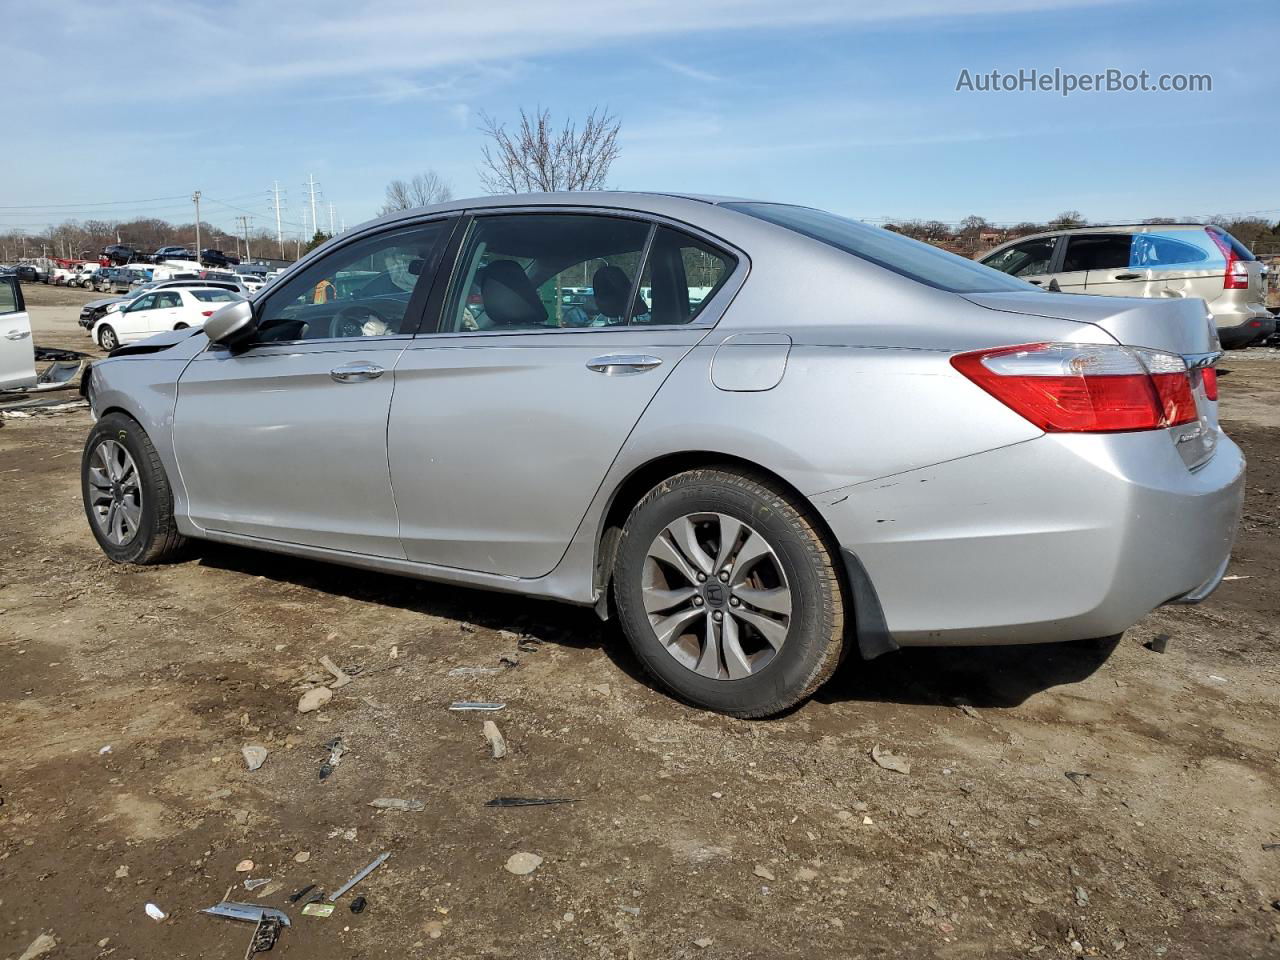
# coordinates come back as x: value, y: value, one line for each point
x: 275, y: 189
x: 311, y: 190
x: 244, y: 224
x: 331, y: 219
x: 196, y: 198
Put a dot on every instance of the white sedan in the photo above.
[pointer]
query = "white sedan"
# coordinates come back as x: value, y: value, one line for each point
x: 152, y: 313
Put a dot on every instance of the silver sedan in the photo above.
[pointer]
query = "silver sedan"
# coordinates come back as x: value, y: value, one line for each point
x: 759, y: 435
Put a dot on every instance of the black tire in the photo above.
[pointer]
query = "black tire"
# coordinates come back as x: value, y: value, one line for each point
x: 180, y: 326
x: 107, y: 338
x: 156, y: 539
x: 815, y: 638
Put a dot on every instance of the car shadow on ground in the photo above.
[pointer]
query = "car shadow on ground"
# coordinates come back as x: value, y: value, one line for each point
x: 1000, y: 676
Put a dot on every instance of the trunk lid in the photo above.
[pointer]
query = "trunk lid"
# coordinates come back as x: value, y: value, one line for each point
x: 1182, y: 326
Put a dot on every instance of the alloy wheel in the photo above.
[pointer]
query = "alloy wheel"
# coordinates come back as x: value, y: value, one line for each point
x: 115, y: 492
x: 716, y: 596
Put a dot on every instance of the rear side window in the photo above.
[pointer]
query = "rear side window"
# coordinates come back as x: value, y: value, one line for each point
x: 909, y: 258
x: 680, y: 277
x: 1161, y: 250
x: 1096, y: 251
x: 214, y: 296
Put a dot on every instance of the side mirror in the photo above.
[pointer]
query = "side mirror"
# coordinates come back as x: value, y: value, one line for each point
x: 232, y: 325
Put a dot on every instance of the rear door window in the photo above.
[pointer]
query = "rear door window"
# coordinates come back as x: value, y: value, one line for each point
x: 1096, y: 251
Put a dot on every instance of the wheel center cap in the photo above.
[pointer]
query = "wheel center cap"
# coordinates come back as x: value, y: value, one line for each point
x: 715, y: 593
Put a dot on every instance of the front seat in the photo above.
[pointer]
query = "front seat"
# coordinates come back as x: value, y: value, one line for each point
x: 509, y: 296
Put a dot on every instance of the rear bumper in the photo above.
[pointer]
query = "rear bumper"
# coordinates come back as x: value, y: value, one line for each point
x: 1063, y: 537
x: 1250, y: 323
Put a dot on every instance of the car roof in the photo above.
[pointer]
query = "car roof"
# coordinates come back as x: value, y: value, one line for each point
x: 1106, y: 228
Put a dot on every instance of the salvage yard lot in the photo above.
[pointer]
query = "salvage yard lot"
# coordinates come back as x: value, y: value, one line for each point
x: 695, y: 835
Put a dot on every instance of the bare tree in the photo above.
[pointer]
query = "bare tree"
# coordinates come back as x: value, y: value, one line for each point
x: 539, y: 158
x: 421, y: 191
x: 1067, y: 219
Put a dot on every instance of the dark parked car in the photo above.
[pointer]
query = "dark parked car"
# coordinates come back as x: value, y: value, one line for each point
x: 26, y: 273
x: 216, y: 258
x: 119, y: 254
x: 176, y: 252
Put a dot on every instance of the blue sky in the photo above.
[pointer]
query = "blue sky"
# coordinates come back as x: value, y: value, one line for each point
x: 847, y: 106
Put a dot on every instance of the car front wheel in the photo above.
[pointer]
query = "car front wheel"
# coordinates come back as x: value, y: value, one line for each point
x: 127, y: 497
x: 728, y: 593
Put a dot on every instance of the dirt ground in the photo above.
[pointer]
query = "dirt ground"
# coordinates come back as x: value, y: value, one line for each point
x: 1100, y: 801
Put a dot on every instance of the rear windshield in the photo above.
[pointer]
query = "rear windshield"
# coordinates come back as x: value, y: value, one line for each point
x: 910, y: 258
x: 213, y: 296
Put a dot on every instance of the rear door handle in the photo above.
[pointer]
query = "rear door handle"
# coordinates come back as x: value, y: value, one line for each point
x: 1128, y: 276
x: 622, y: 365
x: 356, y: 372
x: 17, y: 334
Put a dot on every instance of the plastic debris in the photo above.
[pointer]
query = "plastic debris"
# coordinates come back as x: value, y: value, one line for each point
x: 154, y: 912
x: 336, y: 749
x: 395, y: 803
x: 340, y: 679
x: 378, y: 861
x: 248, y: 912
x: 888, y: 761
x: 1158, y: 644
x: 105, y: 750
x: 318, y: 910
x: 295, y: 897
x: 476, y: 705
x: 254, y: 756
x: 255, y: 884
x: 40, y: 946
x: 314, y: 699
x: 522, y: 864
x: 358, y: 905
x: 527, y: 801
x: 497, y: 743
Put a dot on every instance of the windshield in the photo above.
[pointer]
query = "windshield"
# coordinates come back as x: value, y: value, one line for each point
x: 910, y: 258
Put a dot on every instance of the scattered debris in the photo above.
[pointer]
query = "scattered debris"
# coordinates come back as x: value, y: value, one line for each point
x: 154, y: 912
x: 122, y: 872
x: 763, y: 872
x: 476, y: 705
x: 1158, y: 644
x: 634, y: 911
x: 265, y: 935
x: 968, y: 710
x: 295, y: 897
x: 528, y: 801
x: 314, y: 699
x: 1078, y: 778
x: 703, y: 942
x: 497, y: 743
x: 315, y: 909
x: 522, y: 864
x: 602, y: 688
x: 473, y: 671
x: 1082, y: 897
x: 509, y: 660
x: 302, y: 857
x: 254, y: 756
x: 340, y: 679
x: 394, y: 803
x: 244, y: 866
x: 105, y: 750
x: 255, y: 884
x: 336, y: 749
x: 1236, y: 576
x: 40, y: 946
x: 358, y: 905
x: 1217, y: 679
x: 1270, y: 846
x: 378, y: 861
x: 889, y: 761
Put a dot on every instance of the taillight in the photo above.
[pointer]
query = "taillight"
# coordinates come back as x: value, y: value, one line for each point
x: 206, y: 313
x: 1209, y: 379
x: 1085, y: 388
x: 1237, y: 274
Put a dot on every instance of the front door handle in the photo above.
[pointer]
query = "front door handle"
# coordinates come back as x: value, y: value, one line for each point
x: 1128, y: 276
x: 356, y: 372
x: 17, y: 334
x: 622, y: 365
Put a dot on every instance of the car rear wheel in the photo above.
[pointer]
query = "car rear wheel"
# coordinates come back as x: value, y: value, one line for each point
x: 127, y: 497
x: 107, y: 338
x: 728, y: 593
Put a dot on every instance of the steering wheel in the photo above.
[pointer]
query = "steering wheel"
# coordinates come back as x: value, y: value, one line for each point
x: 350, y: 322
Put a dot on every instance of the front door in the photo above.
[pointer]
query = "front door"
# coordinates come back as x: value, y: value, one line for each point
x: 1029, y: 260
x: 287, y: 440
x: 17, y: 354
x: 555, y: 335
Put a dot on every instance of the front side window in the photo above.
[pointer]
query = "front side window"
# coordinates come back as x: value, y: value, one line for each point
x: 1024, y: 259
x: 539, y: 271
x: 1097, y: 251
x: 363, y: 289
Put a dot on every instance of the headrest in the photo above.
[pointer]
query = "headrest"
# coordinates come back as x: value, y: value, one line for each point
x: 611, y: 285
x: 509, y: 297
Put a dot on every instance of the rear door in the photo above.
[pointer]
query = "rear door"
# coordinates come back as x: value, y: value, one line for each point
x: 17, y: 353
x: 506, y: 419
x: 167, y: 312
x: 1104, y: 260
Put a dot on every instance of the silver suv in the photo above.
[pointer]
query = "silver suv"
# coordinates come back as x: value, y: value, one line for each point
x: 1150, y: 260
